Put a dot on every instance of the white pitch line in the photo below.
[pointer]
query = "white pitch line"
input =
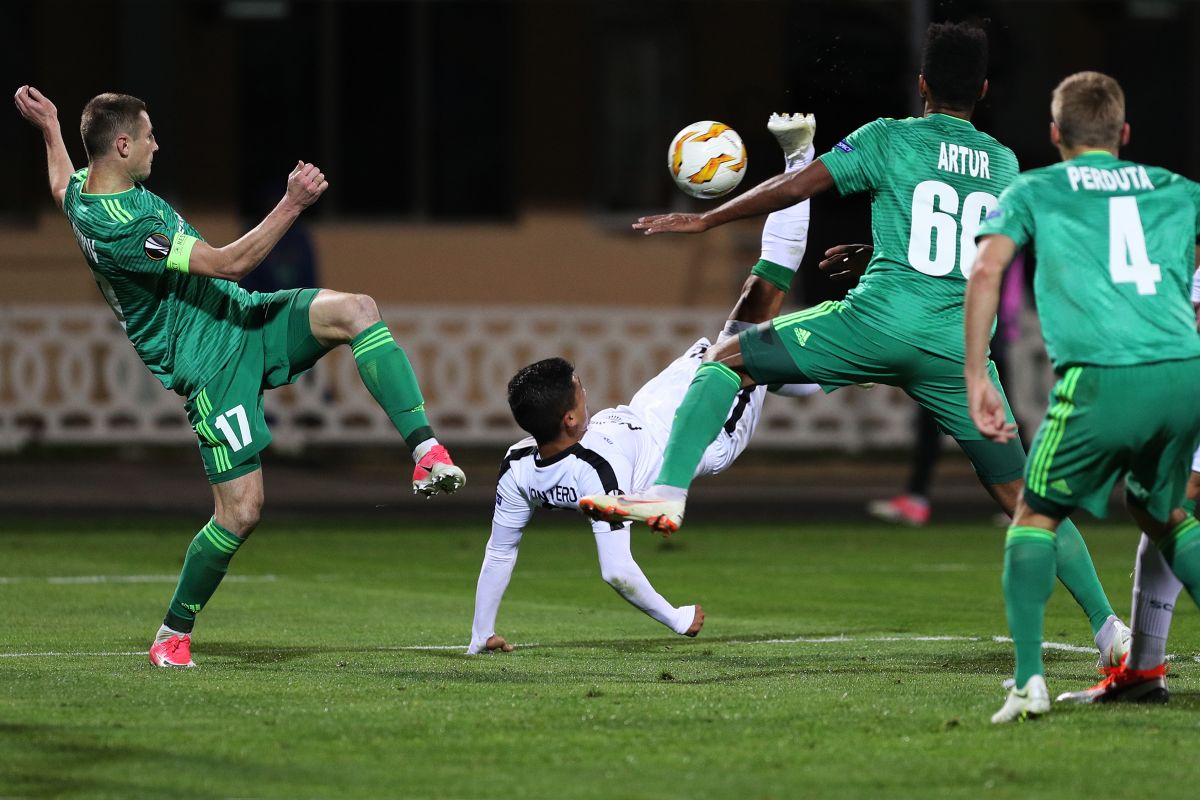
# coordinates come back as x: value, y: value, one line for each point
x: 1070, y: 648
x: 71, y: 580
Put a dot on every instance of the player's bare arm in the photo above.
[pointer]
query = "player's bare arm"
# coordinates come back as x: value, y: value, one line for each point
x: 235, y: 261
x: 43, y: 115
x: 983, y: 298
x: 779, y: 192
x: 846, y: 262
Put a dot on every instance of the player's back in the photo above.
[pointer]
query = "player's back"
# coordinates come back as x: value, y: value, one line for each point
x: 1115, y: 242
x: 181, y: 325
x: 932, y: 181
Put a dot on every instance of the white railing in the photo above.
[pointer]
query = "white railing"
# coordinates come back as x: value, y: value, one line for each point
x: 68, y: 375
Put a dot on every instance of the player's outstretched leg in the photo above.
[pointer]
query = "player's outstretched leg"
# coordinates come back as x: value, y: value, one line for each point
x: 699, y: 420
x: 238, y: 508
x: 338, y: 318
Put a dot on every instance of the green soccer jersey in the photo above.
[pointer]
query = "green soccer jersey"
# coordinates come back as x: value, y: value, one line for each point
x: 932, y: 180
x: 1115, y: 244
x: 184, y: 327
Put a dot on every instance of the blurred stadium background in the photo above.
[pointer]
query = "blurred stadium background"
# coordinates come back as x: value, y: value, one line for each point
x: 486, y: 159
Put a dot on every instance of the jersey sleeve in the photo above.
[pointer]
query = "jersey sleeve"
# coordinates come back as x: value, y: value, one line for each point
x: 1194, y: 194
x: 858, y: 163
x: 143, y: 245
x: 512, y: 509
x: 1012, y: 216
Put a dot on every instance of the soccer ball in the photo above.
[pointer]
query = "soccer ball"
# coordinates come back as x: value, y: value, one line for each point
x: 707, y: 159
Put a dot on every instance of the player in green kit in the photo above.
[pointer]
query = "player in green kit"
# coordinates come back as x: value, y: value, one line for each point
x: 209, y: 340
x: 1116, y: 246
x: 932, y: 180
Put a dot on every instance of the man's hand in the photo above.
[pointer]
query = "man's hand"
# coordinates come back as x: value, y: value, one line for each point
x: 987, y: 410
x: 37, y: 108
x: 846, y: 262
x: 495, y: 643
x: 671, y: 223
x: 306, y: 184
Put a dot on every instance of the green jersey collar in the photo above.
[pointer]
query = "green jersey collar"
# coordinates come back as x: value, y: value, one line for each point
x: 951, y: 118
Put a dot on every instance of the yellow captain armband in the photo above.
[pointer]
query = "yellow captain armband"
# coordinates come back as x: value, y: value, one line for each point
x: 181, y: 252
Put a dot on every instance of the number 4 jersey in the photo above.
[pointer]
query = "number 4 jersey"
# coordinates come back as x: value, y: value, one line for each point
x: 1115, y: 244
x: 932, y: 181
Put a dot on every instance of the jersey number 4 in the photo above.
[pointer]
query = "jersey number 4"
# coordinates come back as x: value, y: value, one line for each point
x: 1128, y: 261
x: 938, y: 241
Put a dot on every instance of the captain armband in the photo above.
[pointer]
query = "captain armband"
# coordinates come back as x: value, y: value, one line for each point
x: 181, y: 252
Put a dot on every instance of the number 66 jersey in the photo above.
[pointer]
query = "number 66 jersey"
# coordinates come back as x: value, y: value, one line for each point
x: 932, y: 181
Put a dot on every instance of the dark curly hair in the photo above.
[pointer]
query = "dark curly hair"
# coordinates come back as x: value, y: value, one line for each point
x: 955, y: 63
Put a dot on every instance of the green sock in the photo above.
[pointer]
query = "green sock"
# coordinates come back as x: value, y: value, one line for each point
x: 1181, y: 549
x: 1078, y: 573
x: 703, y: 411
x: 1028, y: 582
x: 389, y: 378
x: 206, y: 563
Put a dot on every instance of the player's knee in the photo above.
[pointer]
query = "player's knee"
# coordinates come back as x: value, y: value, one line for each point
x: 243, y: 517
x: 362, y: 310
x: 1193, y: 486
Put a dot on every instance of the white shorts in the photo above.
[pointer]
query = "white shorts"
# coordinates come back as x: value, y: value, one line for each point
x: 657, y: 401
x: 1196, y: 461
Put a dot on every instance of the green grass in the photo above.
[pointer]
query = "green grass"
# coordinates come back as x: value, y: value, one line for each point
x: 301, y: 692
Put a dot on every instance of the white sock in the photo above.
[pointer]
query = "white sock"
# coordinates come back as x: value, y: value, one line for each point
x: 424, y: 447
x: 785, y: 233
x: 795, y: 389
x: 1155, y: 589
x: 664, y: 492
x: 165, y: 633
x: 732, y: 328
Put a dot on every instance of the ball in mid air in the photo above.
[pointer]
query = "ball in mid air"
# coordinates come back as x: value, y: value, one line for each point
x: 707, y: 159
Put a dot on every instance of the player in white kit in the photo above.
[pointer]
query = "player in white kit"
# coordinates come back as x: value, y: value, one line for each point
x: 620, y: 450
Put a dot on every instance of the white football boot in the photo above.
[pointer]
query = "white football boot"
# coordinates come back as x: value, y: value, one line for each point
x: 1113, y: 642
x: 794, y: 132
x: 662, y: 515
x: 1022, y: 704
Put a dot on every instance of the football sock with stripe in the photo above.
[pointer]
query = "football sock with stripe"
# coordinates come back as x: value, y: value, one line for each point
x: 1155, y: 590
x: 389, y: 378
x: 699, y: 419
x: 1028, y: 582
x: 1077, y: 572
x: 1181, y: 549
x: 205, y: 565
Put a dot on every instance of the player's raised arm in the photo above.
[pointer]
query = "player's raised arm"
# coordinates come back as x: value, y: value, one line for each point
x: 43, y: 115
x: 779, y: 192
x: 995, y: 253
x: 235, y: 261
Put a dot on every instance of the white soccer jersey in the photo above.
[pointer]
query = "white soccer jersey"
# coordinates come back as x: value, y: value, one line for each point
x: 622, y: 450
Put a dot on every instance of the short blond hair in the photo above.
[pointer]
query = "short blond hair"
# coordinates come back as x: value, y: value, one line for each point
x: 1089, y: 109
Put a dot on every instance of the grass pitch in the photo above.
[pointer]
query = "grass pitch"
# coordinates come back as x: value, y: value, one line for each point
x: 822, y: 671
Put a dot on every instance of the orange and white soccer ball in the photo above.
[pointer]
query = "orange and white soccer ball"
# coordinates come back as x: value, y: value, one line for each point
x: 707, y: 159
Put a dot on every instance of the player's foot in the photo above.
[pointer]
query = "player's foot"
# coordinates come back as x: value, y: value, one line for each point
x: 662, y: 515
x: 904, y: 509
x: 794, y: 132
x: 697, y: 622
x: 1031, y: 701
x: 173, y: 652
x: 1112, y: 640
x: 435, y: 473
x: 1124, y: 685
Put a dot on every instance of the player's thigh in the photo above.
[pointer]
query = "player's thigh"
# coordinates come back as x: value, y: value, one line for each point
x: 1162, y: 464
x: 290, y: 349
x: 939, y: 385
x: 1082, y: 446
x: 227, y: 415
x: 823, y: 344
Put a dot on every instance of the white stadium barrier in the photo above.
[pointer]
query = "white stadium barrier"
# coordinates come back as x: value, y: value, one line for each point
x: 68, y: 376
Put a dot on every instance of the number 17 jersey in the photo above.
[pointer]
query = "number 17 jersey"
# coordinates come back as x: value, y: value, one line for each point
x: 932, y: 181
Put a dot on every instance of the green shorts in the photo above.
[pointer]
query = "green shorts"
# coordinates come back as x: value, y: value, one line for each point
x: 1107, y: 423
x: 227, y: 413
x: 828, y: 345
